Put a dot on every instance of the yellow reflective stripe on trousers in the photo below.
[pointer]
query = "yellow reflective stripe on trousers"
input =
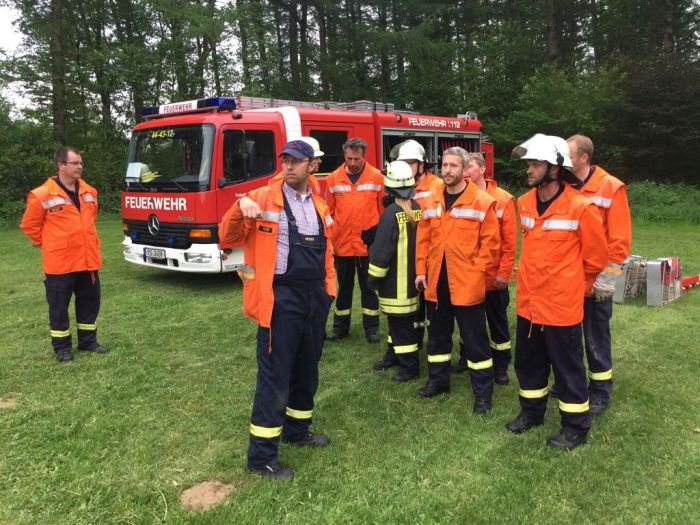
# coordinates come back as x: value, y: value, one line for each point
x: 406, y: 349
x: 500, y: 346
x: 481, y: 365
x: 533, y: 394
x: 574, y: 408
x: 60, y: 333
x: 409, y: 309
x: 367, y: 311
x: 439, y: 358
x: 342, y: 312
x: 299, y: 414
x: 265, y: 432
x: 600, y: 376
x: 87, y: 326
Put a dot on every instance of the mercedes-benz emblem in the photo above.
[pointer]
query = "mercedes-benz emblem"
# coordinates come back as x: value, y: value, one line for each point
x: 153, y: 225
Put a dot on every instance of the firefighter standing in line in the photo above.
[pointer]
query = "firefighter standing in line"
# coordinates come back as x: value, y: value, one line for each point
x: 458, y: 240
x: 610, y: 196
x: 498, y: 275
x: 60, y: 219
x: 413, y: 154
x: 354, y: 197
x: 288, y: 284
x: 392, y: 269
x: 562, y: 252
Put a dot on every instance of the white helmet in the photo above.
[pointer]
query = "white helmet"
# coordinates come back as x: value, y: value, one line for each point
x: 399, y: 179
x: 314, y: 144
x: 547, y: 148
x: 411, y: 150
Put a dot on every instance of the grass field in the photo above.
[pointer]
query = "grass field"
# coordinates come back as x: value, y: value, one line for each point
x: 117, y: 438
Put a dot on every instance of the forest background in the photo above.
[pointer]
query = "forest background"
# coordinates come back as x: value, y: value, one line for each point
x: 625, y: 72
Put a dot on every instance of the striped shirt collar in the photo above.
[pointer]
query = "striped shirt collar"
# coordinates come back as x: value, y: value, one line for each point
x: 293, y: 195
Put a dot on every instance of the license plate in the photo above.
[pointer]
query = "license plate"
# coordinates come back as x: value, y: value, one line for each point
x: 154, y: 253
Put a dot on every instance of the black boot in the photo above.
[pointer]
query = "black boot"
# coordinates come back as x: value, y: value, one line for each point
x: 432, y: 389
x: 522, y: 423
x: 566, y: 440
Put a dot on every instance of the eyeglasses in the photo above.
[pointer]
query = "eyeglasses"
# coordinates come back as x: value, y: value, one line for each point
x: 73, y: 162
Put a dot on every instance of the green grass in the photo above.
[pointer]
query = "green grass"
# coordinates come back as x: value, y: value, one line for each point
x: 117, y: 438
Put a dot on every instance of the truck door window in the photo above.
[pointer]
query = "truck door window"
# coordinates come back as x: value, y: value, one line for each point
x: 248, y: 154
x: 331, y: 143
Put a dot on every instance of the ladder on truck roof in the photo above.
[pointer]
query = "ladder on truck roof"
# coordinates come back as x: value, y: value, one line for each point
x: 243, y: 103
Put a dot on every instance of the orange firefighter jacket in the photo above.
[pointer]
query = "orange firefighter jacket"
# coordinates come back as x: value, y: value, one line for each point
x: 354, y: 208
x: 505, y: 211
x: 608, y: 193
x: 466, y: 236
x: 67, y: 236
x: 259, y: 238
x: 561, y: 254
x: 423, y: 188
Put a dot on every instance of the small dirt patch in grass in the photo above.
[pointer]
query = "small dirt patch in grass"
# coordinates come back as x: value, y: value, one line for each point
x: 8, y: 403
x: 205, y: 495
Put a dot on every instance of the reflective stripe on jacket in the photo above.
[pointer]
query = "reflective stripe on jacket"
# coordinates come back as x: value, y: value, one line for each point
x: 354, y: 208
x: 609, y: 195
x: 505, y: 211
x: 67, y: 236
x: 259, y: 239
x: 466, y: 236
x: 561, y: 253
x: 392, y: 260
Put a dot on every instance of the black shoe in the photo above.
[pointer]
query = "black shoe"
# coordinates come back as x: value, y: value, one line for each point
x: 500, y: 377
x: 482, y: 405
x: 598, y: 406
x: 432, y: 389
x: 99, y: 349
x: 63, y: 356
x: 385, y: 364
x: 334, y: 336
x: 522, y: 423
x: 566, y: 440
x: 402, y: 377
x: 460, y: 367
x: 309, y: 440
x: 273, y: 470
x: 553, y: 393
x: 372, y: 337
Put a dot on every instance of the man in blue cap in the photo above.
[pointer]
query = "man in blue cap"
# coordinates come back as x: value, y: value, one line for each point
x: 289, y: 283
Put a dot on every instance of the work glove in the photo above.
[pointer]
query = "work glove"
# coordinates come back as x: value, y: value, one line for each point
x: 604, y: 286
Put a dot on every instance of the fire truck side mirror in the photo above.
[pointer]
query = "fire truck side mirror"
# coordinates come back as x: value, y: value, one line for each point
x: 223, y: 181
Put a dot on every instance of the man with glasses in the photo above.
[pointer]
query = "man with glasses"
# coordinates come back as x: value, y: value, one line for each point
x: 60, y: 219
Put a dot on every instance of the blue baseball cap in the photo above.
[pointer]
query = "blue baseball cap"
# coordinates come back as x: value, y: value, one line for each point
x: 298, y: 149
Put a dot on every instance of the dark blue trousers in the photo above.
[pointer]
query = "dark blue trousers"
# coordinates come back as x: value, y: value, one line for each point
x: 345, y: 268
x: 596, y: 332
x: 539, y: 347
x: 287, y: 354
x: 60, y: 288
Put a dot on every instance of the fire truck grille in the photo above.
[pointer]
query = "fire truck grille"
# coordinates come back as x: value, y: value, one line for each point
x: 169, y: 235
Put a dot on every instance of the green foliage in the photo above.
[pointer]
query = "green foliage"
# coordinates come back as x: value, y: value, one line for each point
x: 118, y: 438
x: 555, y: 102
x: 664, y: 202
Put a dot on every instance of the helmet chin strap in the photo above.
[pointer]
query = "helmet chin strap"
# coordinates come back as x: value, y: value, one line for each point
x: 546, y: 178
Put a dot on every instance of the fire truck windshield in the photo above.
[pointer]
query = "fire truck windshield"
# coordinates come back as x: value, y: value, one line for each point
x: 173, y: 158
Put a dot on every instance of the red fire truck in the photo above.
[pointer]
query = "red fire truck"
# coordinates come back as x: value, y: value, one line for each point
x: 189, y: 161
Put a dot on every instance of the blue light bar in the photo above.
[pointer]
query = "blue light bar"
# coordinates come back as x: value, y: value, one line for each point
x: 191, y: 106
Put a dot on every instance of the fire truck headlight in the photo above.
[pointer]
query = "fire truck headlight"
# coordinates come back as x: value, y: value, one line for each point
x: 199, y: 258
